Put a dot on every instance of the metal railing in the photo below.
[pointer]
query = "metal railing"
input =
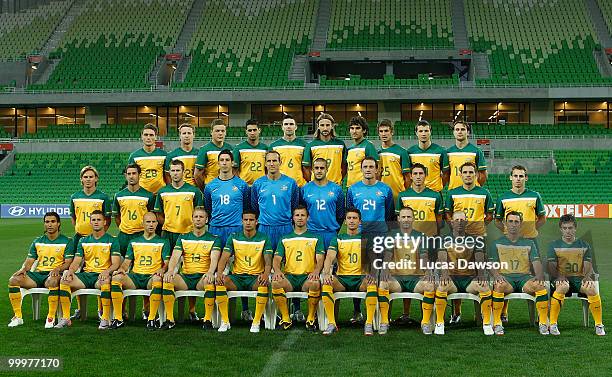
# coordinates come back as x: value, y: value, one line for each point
x: 310, y: 86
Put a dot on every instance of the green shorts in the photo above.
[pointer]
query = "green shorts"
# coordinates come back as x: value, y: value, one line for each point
x: 296, y: 281
x: 88, y: 279
x: 243, y: 282
x: 171, y: 237
x: 518, y: 281
x: 38, y: 277
x: 408, y: 282
x: 462, y: 282
x: 191, y: 280
x: 350, y: 282
x: 140, y: 280
x: 124, y: 240
x: 575, y: 283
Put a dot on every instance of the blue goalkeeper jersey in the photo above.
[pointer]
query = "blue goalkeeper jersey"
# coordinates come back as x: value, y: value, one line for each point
x: 225, y: 200
x: 375, y: 203
x: 274, y: 199
x: 325, y: 206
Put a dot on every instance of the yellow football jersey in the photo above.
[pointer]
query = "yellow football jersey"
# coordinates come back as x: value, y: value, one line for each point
x: 132, y: 207
x: 455, y: 160
x: 197, y: 252
x: 248, y: 252
x: 299, y: 252
x: 177, y: 205
x: 50, y: 254
x: 348, y: 254
x: 291, y: 162
x: 456, y: 253
x: 476, y: 203
x: 151, y: 172
x: 189, y: 162
x: 570, y: 261
x: 148, y: 255
x: 394, y: 163
x: 425, y: 207
x: 408, y: 257
x: 98, y: 252
x: 514, y: 259
x: 251, y: 162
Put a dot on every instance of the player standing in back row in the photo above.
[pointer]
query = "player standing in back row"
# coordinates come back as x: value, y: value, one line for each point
x: 360, y: 149
x: 206, y: 163
x: 291, y: 149
x: 430, y: 155
x: 463, y: 151
x: 326, y: 146
x: 186, y: 152
x: 250, y: 155
x: 150, y: 159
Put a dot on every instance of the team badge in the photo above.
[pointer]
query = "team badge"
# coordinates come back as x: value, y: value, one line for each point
x: 378, y: 193
x: 284, y: 188
x: 478, y: 201
x: 330, y: 194
x: 142, y: 204
x: 234, y: 188
x: 187, y: 198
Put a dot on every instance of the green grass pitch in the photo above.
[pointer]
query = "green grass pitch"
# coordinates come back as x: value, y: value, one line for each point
x: 188, y: 351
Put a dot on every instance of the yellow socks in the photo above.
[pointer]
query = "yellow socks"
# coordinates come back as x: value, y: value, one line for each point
x: 209, y: 301
x: 280, y: 298
x: 105, y: 299
x: 498, y: 306
x: 555, y: 306
x: 64, y: 298
x: 371, y: 301
x: 440, y: 303
x: 485, y: 307
x: 154, y: 299
x: 15, y: 298
x: 328, y: 302
x: 427, y: 306
x: 542, y: 305
x: 505, y: 309
x: 53, y: 300
x: 168, y: 297
x: 313, y: 300
x: 260, y: 304
x: 222, y: 302
x: 383, y: 303
x: 117, y: 299
x: 595, y: 307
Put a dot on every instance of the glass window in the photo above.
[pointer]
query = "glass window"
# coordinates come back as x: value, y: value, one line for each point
x: 207, y: 114
x: 146, y: 114
x: 79, y: 115
x: 486, y: 113
x: 442, y: 112
x: 46, y: 117
x: 188, y: 114
x: 7, y: 120
x: 22, y: 122
x: 111, y: 115
x: 65, y: 115
x: 126, y: 115
x: 297, y: 111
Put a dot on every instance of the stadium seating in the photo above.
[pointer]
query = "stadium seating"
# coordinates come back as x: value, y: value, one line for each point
x: 249, y: 44
x: 385, y: 24
x: 4, y: 134
x: 526, y: 45
x: 583, y: 161
x: 26, y: 32
x: 606, y: 10
x: 560, y: 188
x: 53, y: 177
x: 115, y: 44
x: 84, y: 131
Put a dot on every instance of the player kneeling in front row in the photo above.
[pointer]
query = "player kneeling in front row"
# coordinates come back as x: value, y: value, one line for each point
x: 200, y: 251
x: 303, y: 254
x: 250, y: 270
x: 150, y: 254
x: 571, y: 271
x: 406, y: 274
x: 101, y: 253
x: 463, y: 279
x: 518, y: 257
x: 53, y: 253
x: 351, y: 275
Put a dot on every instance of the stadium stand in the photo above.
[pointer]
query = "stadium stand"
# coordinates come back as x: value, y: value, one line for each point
x: 423, y: 80
x: 114, y: 44
x: 26, y: 32
x: 390, y: 24
x: 606, y: 10
x: 526, y: 45
x: 249, y: 44
x: 84, y: 131
x: 59, y: 174
x: 583, y: 161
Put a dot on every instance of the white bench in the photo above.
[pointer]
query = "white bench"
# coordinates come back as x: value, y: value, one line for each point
x: 36, y: 293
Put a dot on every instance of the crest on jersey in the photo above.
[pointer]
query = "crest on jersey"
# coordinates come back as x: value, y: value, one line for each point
x: 331, y: 193
x: 187, y: 198
x: 432, y: 160
x: 284, y: 188
x: 234, y: 188
x: 160, y: 163
x: 392, y: 159
x: 378, y: 193
x: 530, y: 204
x: 477, y: 201
x: 142, y: 204
x: 58, y: 249
x: 428, y: 204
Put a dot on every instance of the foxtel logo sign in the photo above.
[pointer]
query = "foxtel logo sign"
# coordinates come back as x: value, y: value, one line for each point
x: 578, y: 210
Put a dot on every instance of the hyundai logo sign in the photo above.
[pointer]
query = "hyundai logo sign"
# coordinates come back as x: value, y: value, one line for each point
x: 17, y: 211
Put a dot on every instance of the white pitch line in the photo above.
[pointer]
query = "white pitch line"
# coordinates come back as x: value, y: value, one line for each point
x: 278, y: 356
